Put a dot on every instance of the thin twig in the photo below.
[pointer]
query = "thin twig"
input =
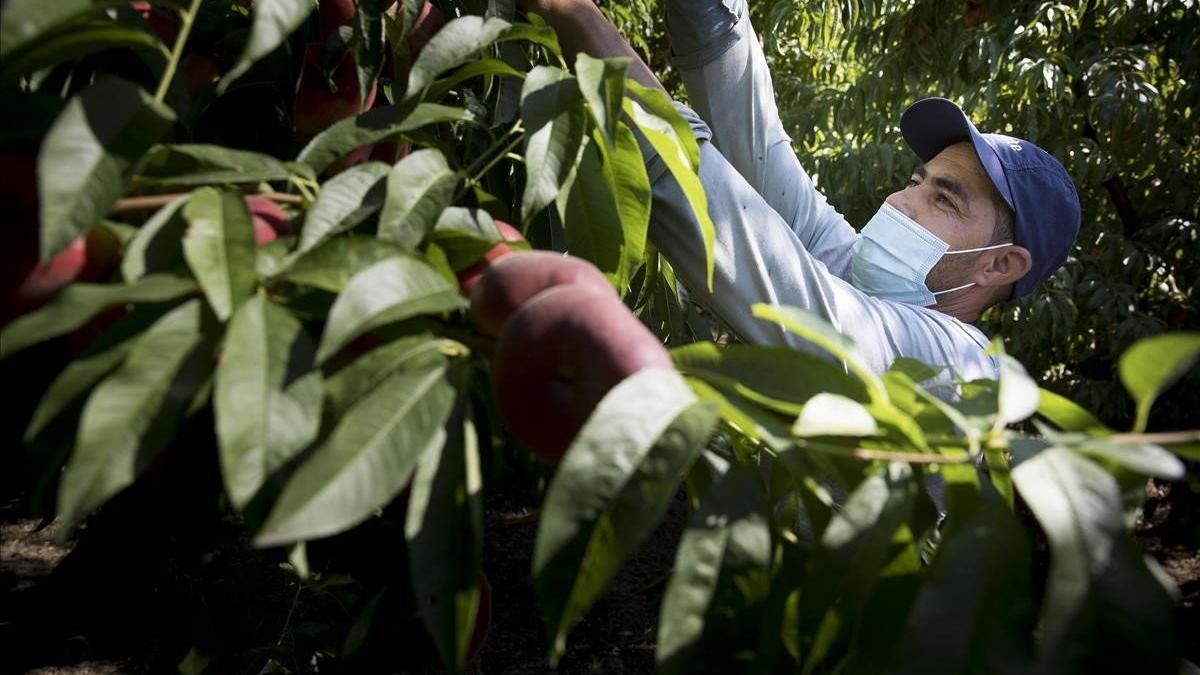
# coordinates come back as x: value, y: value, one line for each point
x: 185, y: 27
x: 1161, y: 438
x: 151, y: 202
x: 910, y: 457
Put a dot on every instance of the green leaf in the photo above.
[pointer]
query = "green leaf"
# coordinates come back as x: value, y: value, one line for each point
x: 133, y: 413
x: 274, y: 21
x: 854, y: 548
x: 613, y: 485
x: 1066, y: 414
x: 364, y: 374
x: 330, y: 265
x: 827, y: 338
x: 552, y: 111
x: 366, y: 459
x: 1099, y: 593
x: 464, y: 234
x: 346, y: 200
x: 602, y: 83
x: 25, y: 22
x: 1078, y: 506
x: 86, y: 160
x: 779, y: 378
x: 1018, y: 397
x: 729, y: 532
x: 975, y: 609
x: 605, y: 207
x: 267, y: 398
x: 158, y: 244
x: 374, y: 126
x: 484, y: 66
x: 444, y: 523
x: 451, y: 47
x: 76, y: 379
x: 832, y: 415
x: 80, y: 41
x: 1152, y: 365
x: 79, y: 303
x: 386, y: 292
x: 1142, y: 458
x: 184, y: 165
x: 419, y: 187
x: 219, y: 247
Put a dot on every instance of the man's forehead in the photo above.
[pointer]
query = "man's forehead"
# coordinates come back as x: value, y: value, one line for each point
x: 960, y: 164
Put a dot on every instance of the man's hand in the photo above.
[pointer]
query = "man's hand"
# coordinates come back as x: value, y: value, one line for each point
x: 582, y: 28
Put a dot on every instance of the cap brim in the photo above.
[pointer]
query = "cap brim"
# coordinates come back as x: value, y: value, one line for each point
x: 933, y: 124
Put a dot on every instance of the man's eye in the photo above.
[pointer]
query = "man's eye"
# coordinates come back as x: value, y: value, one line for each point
x: 912, y: 182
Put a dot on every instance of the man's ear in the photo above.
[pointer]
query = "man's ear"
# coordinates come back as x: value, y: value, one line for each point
x: 1003, y: 266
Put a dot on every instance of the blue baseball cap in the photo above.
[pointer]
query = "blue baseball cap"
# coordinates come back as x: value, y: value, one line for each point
x: 1036, y: 186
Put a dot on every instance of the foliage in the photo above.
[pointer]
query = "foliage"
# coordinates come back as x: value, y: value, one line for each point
x: 337, y: 376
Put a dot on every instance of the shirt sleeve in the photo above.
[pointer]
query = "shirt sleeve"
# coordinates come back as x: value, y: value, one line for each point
x: 729, y: 84
x: 759, y: 259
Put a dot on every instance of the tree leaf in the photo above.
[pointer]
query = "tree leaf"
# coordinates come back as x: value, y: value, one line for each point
x: 465, y: 235
x: 133, y: 413
x: 675, y: 148
x: 25, y: 22
x: 1099, y: 594
x: 780, y: 378
x: 158, y: 244
x: 363, y: 375
x: 451, y: 47
x: 188, y: 165
x: 728, y: 531
x: 552, y: 111
x: 853, y: 550
x: 445, y: 523
x: 975, y: 610
x: 219, y: 247
x: 86, y: 160
x: 330, y: 265
x: 827, y: 338
x: 267, y: 398
x: 1018, y: 397
x: 1066, y: 414
x: 79, y: 41
x: 274, y: 21
x: 1148, y: 460
x: 1152, y: 365
x: 79, y: 303
x: 833, y: 415
x: 386, y: 292
x: 605, y: 207
x: 346, y: 200
x: 366, y: 459
x: 612, y: 487
x: 374, y: 126
x: 602, y: 83
x: 419, y: 187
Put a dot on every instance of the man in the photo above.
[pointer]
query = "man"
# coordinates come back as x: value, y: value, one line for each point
x: 983, y: 218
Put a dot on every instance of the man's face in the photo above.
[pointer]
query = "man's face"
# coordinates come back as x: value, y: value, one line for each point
x: 951, y: 196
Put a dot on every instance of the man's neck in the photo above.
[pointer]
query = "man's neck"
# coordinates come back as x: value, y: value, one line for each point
x: 966, y: 305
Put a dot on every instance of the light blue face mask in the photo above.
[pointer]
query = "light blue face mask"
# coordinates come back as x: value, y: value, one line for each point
x: 894, y: 255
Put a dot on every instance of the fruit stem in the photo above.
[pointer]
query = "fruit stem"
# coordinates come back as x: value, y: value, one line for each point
x: 185, y: 27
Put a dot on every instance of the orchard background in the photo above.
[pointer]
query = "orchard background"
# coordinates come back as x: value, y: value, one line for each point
x: 254, y: 424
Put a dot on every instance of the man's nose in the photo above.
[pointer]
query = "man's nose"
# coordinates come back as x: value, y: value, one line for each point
x: 902, y: 203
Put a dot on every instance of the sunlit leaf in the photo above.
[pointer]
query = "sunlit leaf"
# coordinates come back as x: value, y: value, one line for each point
x: 133, y: 413
x: 419, y: 187
x: 219, y: 247
x: 89, y: 154
x: 274, y: 21
x: 366, y: 459
x: 267, y: 398
x: 1152, y: 365
x: 552, y: 111
x: 346, y: 200
x: 613, y: 485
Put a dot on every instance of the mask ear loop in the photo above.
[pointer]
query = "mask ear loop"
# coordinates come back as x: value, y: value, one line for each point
x: 968, y: 250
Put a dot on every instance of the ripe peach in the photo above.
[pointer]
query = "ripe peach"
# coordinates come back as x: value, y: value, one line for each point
x: 556, y: 358
x: 317, y: 106
x: 507, y: 283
